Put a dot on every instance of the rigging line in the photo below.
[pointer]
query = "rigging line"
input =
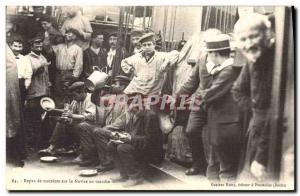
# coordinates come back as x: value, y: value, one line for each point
x: 170, y: 28
x: 225, y: 18
x: 216, y: 17
x: 144, y: 17
x: 127, y: 24
x: 208, y: 18
x: 165, y: 28
x: 132, y: 26
x: 174, y: 26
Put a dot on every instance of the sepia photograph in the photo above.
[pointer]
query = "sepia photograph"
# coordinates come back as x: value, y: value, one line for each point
x: 150, y: 98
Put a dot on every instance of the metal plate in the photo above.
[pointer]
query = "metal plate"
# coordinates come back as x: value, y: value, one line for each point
x: 88, y: 172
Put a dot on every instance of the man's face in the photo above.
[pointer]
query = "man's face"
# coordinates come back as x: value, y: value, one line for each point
x: 98, y: 40
x: 135, y: 41
x: 37, y: 47
x: 46, y: 25
x: 17, y: 47
x: 148, y: 47
x: 232, y: 54
x: 212, y: 57
x: 78, y: 94
x: 112, y: 41
x: 119, y: 87
x: 252, y: 41
x: 70, y: 36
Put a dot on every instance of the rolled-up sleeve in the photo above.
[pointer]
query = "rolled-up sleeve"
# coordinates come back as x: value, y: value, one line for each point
x: 90, y: 111
x: 128, y: 64
x: 172, y: 57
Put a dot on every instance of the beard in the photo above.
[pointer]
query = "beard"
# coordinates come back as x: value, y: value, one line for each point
x: 38, y: 52
x: 253, y: 53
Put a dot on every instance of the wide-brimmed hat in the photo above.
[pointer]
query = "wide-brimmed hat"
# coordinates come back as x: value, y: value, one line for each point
x: 217, y: 42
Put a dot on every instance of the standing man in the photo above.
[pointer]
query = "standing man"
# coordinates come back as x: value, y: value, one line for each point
x: 115, y: 55
x: 51, y: 35
x: 75, y: 20
x: 15, y: 144
x: 95, y: 55
x: 38, y: 89
x: 148, y: 67
x: 149, y: 72
x: 199, y: 80
x: 252, y: 90
x: 136, y: 45
x: 69, y: 64
x: 23, y: 66
x: 223, y: 116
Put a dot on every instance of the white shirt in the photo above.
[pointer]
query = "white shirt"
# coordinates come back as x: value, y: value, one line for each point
x: 24, y: 69
x: 217, y: 69
x: 110, y: 56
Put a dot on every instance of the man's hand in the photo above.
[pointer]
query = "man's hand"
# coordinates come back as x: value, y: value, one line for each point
x: 125, y: 137
x: 164, y: 66
x: 67, y: 115
x: 258, y: 170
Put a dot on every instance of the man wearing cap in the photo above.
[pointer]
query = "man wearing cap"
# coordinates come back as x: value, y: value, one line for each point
x: 69, y: 64
x: 93, y: 144
x: 95, y: 55
x: 51, y: 34
x: 136, y: 140
x: 38, y: 88
x: 136, y: 45
x: 75, y: 20
x: 80, y: 110
x: 216, y: 79
x: 115, y: 55
x: 252, y: 90
x: 148, y: 67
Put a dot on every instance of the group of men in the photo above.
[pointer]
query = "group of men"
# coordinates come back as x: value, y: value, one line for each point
x: 60, y: 61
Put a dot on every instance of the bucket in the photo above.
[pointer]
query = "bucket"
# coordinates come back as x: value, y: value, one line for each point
x: 96, y: 80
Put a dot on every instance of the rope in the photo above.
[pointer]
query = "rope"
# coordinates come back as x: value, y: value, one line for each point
x: 164, y: 29
x: 174, y: 26
x: 170, y: 28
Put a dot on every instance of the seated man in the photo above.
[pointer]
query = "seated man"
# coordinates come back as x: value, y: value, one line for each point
x: 135, y: 140
x: 94, y: 150
x: 79, y: 111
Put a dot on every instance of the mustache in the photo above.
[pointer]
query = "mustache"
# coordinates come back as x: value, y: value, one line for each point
x: 252, y: 48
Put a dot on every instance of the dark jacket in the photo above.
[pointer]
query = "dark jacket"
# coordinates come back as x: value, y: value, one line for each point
x: 252, y: 91
x: 121, y: 54
x: 198, y: 80
x: 90, y: 59
x: 223, y: 114
x: 146, y: 135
